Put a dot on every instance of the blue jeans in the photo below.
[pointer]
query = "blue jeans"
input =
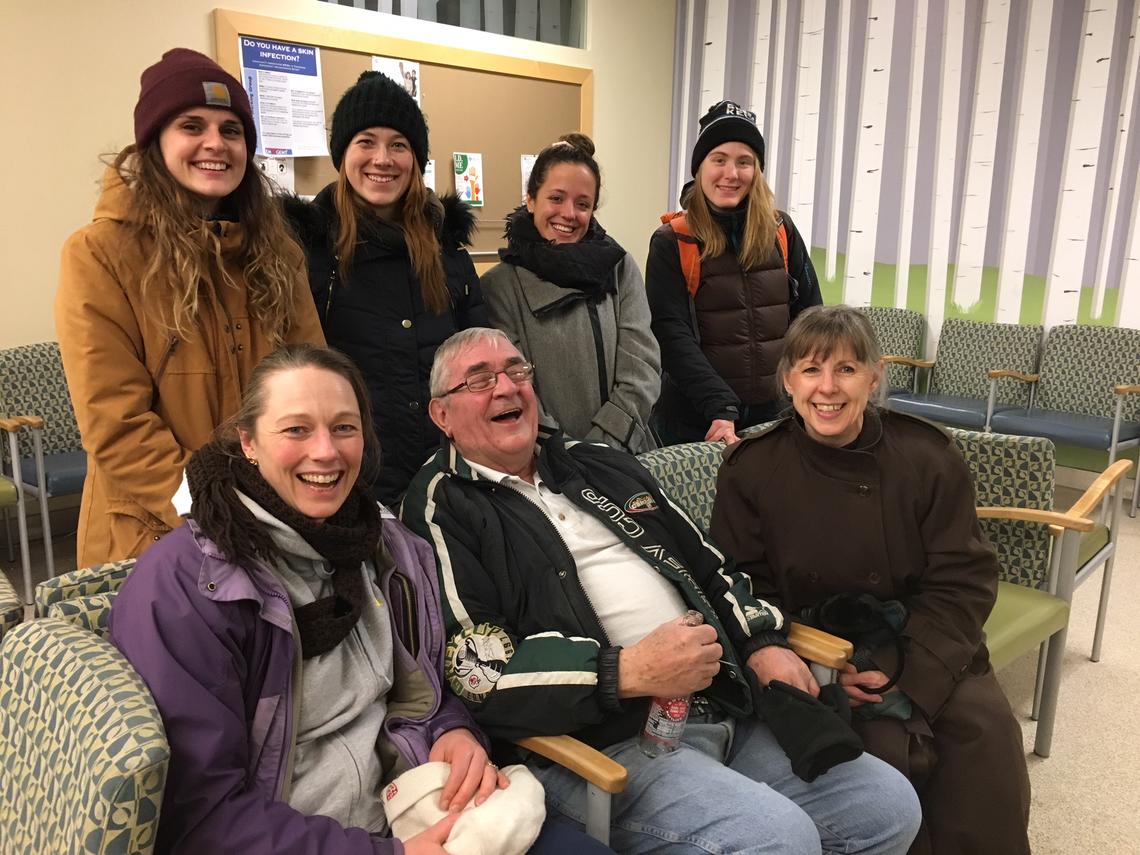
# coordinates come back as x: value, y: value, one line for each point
x: 729, y: 788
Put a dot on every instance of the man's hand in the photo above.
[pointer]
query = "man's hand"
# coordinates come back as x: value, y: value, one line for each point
x: 722, y: 430
x: 672, y: 661
x: 851, y: 680
x: 430, y: 841
x: 780, y: 663
x: 472, y: 774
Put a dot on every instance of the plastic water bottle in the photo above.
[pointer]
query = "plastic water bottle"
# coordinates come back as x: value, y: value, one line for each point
x: 667, y: 716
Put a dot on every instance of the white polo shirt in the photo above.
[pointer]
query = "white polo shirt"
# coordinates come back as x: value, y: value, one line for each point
x: 630, y: 597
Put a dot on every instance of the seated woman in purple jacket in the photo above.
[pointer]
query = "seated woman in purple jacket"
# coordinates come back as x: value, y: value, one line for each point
x: 290, y: 635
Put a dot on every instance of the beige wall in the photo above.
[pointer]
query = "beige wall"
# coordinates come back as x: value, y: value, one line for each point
x: 80, y: 63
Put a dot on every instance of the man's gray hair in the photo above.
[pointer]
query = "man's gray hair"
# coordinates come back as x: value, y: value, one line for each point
x: 457, y: 342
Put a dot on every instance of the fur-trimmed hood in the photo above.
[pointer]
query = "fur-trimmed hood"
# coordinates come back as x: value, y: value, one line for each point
x: 314, y: 223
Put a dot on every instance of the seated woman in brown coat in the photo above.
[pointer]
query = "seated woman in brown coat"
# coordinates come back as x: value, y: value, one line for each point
x: 841, y: 499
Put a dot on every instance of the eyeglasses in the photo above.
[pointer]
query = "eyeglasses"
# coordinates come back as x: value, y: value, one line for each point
x: 481, y: 381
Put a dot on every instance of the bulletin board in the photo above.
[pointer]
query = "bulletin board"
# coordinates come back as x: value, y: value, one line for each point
x: 500, y: 107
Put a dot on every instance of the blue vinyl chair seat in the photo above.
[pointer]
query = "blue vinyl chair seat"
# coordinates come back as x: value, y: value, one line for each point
x: 956, y: 410
x: 1061, y: 427
x: 64, y: 472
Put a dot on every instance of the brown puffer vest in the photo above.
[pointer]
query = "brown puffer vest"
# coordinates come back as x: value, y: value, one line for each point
x: 741, y: 320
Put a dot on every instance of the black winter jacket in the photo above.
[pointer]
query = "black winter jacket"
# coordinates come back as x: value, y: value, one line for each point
x: 378, y: 319
x: 526, y: 649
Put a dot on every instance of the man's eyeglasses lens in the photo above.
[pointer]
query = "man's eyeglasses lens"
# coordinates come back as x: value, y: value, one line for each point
x: 484, y: 380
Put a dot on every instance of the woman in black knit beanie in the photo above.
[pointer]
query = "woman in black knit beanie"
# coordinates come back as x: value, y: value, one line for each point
x: 387, y: 266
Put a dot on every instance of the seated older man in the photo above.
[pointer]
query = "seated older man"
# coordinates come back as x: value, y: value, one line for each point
x: 565, y: 577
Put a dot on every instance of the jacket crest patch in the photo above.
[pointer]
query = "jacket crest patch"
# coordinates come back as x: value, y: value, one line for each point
x: 475, y: 660
x: 640, y: 503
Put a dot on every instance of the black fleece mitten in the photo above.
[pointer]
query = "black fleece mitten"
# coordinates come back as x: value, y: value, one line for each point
x: 813, y: 732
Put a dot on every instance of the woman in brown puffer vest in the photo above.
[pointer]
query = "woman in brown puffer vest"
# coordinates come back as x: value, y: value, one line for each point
x: 725, y: 279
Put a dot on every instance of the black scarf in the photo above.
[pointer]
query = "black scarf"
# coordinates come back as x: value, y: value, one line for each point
x: 345, y: 540
x: 586, y: 266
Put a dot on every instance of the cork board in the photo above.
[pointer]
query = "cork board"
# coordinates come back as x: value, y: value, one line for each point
x: 500, y: 107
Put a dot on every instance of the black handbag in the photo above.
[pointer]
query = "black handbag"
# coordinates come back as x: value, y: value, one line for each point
x: 867, y: 622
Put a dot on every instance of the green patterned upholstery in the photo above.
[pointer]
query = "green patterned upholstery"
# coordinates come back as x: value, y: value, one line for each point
x: 687, y: 474
x: 11, y: 609
x: 1013, y: 472
x: 900, y: 333
x: 967, y: 350
x: 82, y: 746
x: 90, y: 612
x: 32, y: 383
x: 1080, y: 366
x: 85, y: 582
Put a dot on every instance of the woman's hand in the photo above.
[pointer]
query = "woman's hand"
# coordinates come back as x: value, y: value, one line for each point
x: 851, y: 680
x: 722, y: 430
x: 430, y: 841
x: 472, y: 773
x: 779, y: 663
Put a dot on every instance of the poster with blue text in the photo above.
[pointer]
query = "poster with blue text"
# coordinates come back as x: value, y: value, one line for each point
x: 284, y: 85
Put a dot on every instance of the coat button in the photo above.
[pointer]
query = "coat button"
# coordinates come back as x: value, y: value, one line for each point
x: 237, y: 326
x: 241, y: 347
x: 406, y: 324
x: 864, y: 489
x: 561, y: 574
x: 210, y: 586
x: 414, y: 406
x: 813, y: 576
x: 873, y: 578
x: 156, y: 538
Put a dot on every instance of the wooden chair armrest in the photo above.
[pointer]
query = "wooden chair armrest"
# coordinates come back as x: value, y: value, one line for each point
x: 1126, y: 389
x: 815, y: 645
x: 579, y: 758
x: 1097, y: 490
x: 997, y: 373
x: 15, y: 423
x: 908, y: 360
x: 1049, y: 518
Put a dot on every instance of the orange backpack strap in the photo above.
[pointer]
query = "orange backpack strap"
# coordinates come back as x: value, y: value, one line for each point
x: 688, y: 248
x: 782, y: 240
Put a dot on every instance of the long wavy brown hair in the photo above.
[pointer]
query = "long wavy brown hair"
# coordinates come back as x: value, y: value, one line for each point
x: 185, y: 251
x: 760, y: 223
x: 415, y: 220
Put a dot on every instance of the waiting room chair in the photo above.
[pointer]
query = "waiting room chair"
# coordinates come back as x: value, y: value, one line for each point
x: 12, y: 496
x: 900, y: 333
x: 47, y: 453
x: 1043, y: 554
x: 961, y: 390
x: 1087, y: 392
x: 82, y: 745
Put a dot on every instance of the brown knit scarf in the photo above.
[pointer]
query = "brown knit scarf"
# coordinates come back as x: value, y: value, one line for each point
x: 345, y: 540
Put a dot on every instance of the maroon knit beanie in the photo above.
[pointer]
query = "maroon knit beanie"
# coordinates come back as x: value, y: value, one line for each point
x: 185, y: 78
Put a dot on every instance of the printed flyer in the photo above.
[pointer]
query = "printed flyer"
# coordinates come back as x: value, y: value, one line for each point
x: 403, y: 71
x: 284, y: 85
x: 469, y: 178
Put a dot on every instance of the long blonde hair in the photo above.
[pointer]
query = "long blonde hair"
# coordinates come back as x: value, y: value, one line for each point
x: 415, y: 221
x: 185, y: 251
x: 760, y: 223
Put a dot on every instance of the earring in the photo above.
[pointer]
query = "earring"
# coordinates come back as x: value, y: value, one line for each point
x: 251, y: 460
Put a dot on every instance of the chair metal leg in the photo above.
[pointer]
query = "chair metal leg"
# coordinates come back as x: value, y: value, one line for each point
x: 1039, y: 682
x: 1102, y: 609
x: 45, y: 516
x: 1043, y: 744
x: 21, y: 518
x: 597, y: 813
x: 8, y: 535
x: 1135, y: 490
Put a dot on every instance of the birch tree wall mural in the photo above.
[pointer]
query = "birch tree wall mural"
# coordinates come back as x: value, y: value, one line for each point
x: 965, y: 158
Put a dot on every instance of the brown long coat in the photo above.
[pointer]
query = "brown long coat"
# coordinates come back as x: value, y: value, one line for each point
x: 893, y: 516
x: 145, y: 399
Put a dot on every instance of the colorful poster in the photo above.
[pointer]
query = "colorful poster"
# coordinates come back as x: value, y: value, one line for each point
x: 403, y: 71
x: 526, y: 164
x: 279, y: 170
x: 284, y: 85
x: 469, y: 177
x: 429, y: 175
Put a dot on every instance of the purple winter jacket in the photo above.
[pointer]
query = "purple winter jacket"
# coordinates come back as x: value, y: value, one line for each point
x: 214, y: 643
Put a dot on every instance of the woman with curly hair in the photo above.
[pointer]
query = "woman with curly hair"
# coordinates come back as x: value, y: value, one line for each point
x: 183, y: 281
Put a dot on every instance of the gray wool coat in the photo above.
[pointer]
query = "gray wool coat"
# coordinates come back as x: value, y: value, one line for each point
x: 597, y: 365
